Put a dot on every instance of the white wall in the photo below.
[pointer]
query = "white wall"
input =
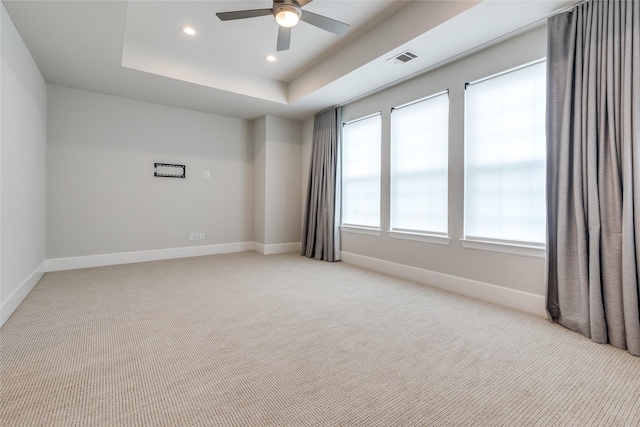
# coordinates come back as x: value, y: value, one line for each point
x: 22, y: 170
x: 103, y: 197
x: 505, y: 277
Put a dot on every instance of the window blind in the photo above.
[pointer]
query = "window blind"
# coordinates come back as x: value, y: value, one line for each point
x: 361, y: 172
x: 505, y: 156
x: 419, y: 165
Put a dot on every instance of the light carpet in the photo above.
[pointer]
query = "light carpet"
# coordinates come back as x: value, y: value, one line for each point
x: 251, y: 340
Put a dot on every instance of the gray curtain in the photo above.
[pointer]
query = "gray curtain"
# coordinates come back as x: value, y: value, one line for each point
x: 320, y: 235
x: 593, y: 171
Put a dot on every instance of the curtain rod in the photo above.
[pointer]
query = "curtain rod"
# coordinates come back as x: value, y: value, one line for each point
x: 456, y: 56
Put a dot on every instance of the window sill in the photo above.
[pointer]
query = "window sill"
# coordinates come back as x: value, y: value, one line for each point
x: 361, y: 230
x: 419, y: 237
x: 506, y: 248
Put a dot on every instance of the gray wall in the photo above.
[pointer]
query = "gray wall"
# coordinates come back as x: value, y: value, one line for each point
x: 277, y: 154
x: 284, y: 181
x: 506, y: 270
x: 22, y: 169
x: 102, y: 195
x: 259, y: 178
x: 307, y: 144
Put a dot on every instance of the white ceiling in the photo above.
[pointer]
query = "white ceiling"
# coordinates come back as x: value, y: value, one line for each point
x: 136, y: 50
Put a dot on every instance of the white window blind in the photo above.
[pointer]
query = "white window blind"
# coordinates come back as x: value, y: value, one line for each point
x: 505, y: 156
x: 361, y: 172
x: 419, y: 165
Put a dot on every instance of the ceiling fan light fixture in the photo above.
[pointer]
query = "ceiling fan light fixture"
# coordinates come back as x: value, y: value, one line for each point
x: 287, y: 15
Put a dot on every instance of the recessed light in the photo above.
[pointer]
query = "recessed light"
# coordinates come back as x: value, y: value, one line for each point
x: 188, y: 30
x: 271, y: 58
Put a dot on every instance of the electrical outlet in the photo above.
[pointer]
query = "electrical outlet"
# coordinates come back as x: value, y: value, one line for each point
x: 202, y: 236
x: 207, y: 174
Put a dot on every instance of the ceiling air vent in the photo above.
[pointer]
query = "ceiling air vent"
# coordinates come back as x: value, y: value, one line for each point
x: 404, y: 57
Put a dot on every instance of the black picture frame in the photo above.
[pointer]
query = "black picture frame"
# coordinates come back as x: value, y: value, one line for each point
x: 164, y: 170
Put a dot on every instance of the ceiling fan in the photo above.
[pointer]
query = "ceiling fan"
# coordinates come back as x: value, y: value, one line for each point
x: 287, y: 14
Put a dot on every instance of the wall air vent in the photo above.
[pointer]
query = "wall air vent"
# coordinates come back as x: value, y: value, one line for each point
x: 404, y: 57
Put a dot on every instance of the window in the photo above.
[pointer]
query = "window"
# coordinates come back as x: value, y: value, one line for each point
x: 419, y: 165
x: 361, y: 172
x: 505, y: 157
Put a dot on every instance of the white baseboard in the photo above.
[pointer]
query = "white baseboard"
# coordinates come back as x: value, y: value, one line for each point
x: 72, y: 263
x: 16, y: 298
x: 279, y: 248
x: 523, y: 301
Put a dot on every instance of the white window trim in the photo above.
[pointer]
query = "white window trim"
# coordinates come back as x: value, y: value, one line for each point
x: 492, y: 76
x: 513, y: 248
x: 415, y: 101
x: 361, y: 230
x: 368, y: 116
x: 419, y: 237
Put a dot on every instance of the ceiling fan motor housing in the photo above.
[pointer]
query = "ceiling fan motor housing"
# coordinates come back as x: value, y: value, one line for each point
x: 287, y: 14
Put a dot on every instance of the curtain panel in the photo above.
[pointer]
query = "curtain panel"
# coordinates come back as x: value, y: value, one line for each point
x: 593, y: 171
x: 320, y: 233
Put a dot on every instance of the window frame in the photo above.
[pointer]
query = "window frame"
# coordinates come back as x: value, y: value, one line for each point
x: 428, y: 236
x: 353, y: 227
x: 527, y: 248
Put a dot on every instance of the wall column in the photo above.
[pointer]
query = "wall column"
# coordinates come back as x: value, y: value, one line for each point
x: 277, y: 184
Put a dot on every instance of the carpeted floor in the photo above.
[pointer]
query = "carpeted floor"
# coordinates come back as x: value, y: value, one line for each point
x: 251, y: 340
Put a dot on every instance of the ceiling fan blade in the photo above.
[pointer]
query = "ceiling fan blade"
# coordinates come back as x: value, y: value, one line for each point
x: 328, y: 24
x: 242, y: 14
x: 303, y: 3
x: 284, y: 38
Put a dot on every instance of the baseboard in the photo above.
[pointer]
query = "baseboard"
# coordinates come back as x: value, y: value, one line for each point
x: 16, y: 298
x: 72, y: 263
x: 523, y: 301
x: 280, y: 248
